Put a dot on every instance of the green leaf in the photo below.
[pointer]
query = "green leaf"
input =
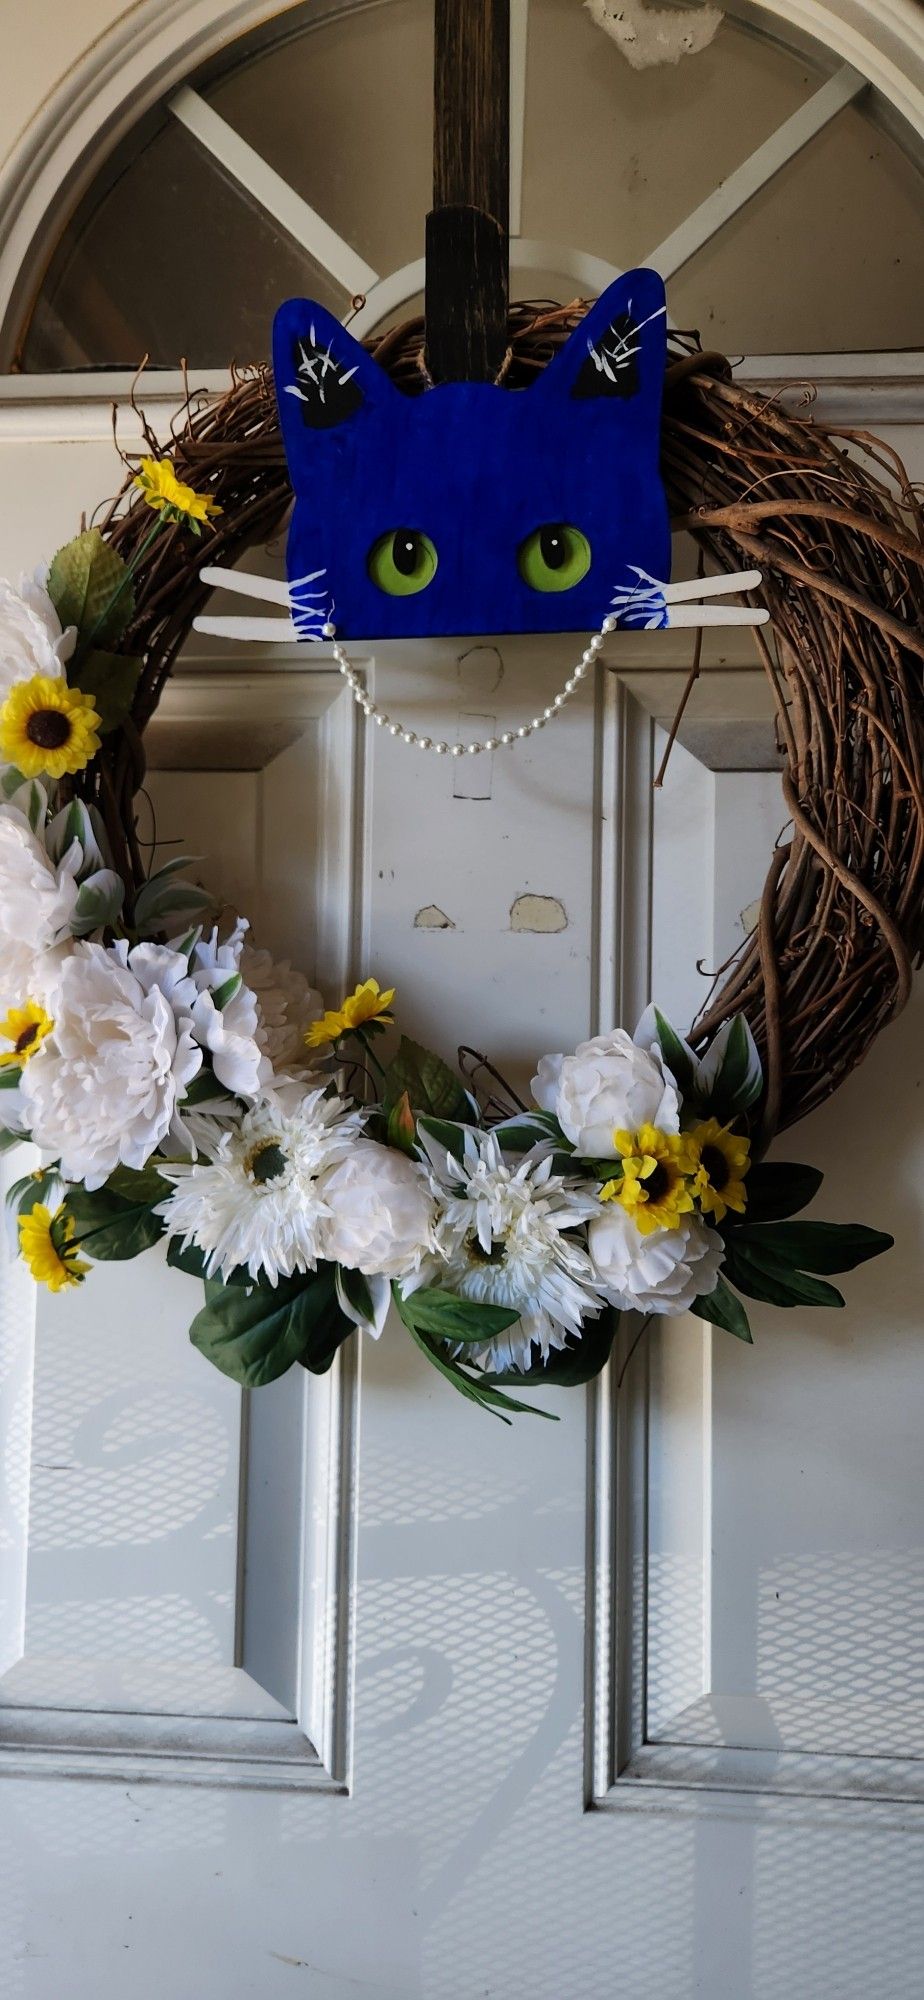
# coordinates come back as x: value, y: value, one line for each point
x: 431, y: 1086
x: 722, y: 1308
x: 731, y: 1077
x: 450, y: 1317
x: 163, y: 899
x: 778, y: 1188
x: 677, y: 1056
x: 255, y: 1332
x: 117, y: 1221
x: 99, y: 901
x: 814, y: 1246
x: 476, y: 1388
x: 227, y: 991
x: 528, y: 1129
x: 10, y: 1076
x: 89, y: 587
x: 447, y: 1136
x: 10, y: 1139
x: 111, y: 678
x: 762, y: 1276
x: 25, y: 1194
x: 189, y: 1258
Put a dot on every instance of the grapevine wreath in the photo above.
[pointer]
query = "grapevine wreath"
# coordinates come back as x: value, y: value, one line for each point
x: 179, y: 1085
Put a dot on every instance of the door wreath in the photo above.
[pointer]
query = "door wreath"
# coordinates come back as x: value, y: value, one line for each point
x: 181, y: 1086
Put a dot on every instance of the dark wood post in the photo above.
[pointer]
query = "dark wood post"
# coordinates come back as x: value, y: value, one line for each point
x: 467, y: 229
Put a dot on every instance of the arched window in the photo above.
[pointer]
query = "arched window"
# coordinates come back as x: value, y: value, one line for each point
x: 776, y: 192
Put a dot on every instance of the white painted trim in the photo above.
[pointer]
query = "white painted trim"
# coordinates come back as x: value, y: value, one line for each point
x: 754, y: 173
x: 254, y: 174
x: 519, y: 37
x: 209, y: 694
x: 622, y: 1768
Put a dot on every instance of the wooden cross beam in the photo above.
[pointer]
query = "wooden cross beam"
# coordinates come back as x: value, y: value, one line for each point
x: 467, y: 264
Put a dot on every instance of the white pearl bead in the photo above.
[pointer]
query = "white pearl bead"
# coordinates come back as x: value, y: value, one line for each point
x: 441, y: 749
x: 538, y: 722
x: 455, y: 750
x: 571, y: 684
x: 490, y: 743
x: 329, y: 630
x: 381, y: 719
x: 559, y: 701
x: 523, y: 730
x: 472, y: 749
x: 609, y: 623
x: 548, y: 713
x: 408, y: 736
x: 394, y: 729
x: 424, y: 743
x: 580, y: 670
x: 507, y: 736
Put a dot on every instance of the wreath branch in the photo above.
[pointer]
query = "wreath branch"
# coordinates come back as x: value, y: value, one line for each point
x: 835, y: 524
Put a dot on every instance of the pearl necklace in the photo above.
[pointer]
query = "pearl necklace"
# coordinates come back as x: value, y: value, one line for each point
x: 473, y: 749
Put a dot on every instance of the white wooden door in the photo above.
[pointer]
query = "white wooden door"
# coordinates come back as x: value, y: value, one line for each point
x: 350, y: 1689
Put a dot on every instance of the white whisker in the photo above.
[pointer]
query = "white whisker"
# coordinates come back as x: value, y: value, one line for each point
x: 267, y: 588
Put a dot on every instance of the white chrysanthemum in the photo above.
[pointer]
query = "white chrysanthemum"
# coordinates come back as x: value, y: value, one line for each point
x: 261, y: 1203
x: 506, y: 1234
x: 104, y: 1089
x: 659, y: 1273
x: 286, y: 1007
x: 31, y: 638
x: 36, y: 906
x: 380, y: 1211
x: 608, y: 1085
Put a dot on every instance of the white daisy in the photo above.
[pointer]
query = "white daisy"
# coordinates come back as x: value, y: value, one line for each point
x: 259, y: 1203
x: 286, y: 1006
x: 510, y: 1232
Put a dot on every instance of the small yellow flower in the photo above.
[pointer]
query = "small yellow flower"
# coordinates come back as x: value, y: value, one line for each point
x: 655, y: 1185
x: 45, y: 1243
x: 723, y: 1159
x: 48, y: 729
x: 166, y: 494
x: 25, y: 1029
x: 368, y: 1003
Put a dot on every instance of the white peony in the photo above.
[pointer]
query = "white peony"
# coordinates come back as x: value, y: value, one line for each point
x: 230, y: 1031
x: 660, y: 1273
x: 37, y: 902
x: 608, y: 1085
x: 104, y: 1089
x: 31, y: 638
x: 286, y: 1006
x: 262, y: 1204
x: 380, y: 1211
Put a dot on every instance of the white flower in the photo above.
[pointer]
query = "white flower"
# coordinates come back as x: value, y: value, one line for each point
x: 261, y: 1204
x: 660, y: 1273
x: 37, y: 902
x: 103, y: 1090
x: 380, y: 1211
x: 286, y: 1006
x: 31, y: 639
x: 230, y: 1031
x: 506, y: 1234
x: 608, y: 1085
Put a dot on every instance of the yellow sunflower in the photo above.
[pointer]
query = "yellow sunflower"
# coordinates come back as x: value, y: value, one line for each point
x: 25, y: 1029
x: 167, y: 495
x: 368, y: 1003
x: 723, y: 1159
x: 45, y: 1243
x: 655, y: 1186
x: 48, y: 729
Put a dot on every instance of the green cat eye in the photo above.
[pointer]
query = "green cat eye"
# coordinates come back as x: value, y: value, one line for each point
x: 555, y: 557
x: 402, y: 562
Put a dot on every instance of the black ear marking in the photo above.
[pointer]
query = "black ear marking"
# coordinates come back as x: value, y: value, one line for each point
x: 611, y: 365
x: 327, y: 391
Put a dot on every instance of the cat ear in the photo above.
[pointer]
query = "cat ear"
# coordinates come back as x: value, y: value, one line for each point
x: 323, y: 376
x: 619, y: 349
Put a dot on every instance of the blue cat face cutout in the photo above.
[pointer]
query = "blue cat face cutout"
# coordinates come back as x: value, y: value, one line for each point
x: 473, y: 508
